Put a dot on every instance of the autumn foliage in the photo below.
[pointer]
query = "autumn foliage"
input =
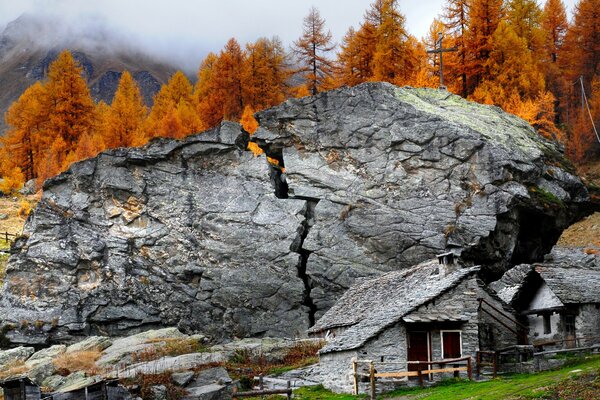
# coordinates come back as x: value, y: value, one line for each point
x: 515, y: 54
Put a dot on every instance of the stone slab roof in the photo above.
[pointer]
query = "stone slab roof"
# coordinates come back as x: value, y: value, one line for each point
x: 572, y: 285
x: 571, y: 274
x: 369, y: 307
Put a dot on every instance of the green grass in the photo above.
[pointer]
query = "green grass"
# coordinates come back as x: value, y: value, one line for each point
x: 4, y: 245
x: 320, y: 393
x: 3, y: 262
x: 559, y: 384
x: 545, y: 198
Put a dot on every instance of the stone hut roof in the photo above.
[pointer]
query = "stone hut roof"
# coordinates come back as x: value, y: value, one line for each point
x: 369, y: 307
x: 573, y: 277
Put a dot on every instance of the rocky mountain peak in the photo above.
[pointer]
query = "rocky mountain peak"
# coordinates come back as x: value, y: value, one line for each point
x: 202, y: 235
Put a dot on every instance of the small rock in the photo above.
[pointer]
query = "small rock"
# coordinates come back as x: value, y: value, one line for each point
x: 207, y: 392
x: 213, y: 375
x: 122, y: 349
x: 182, y: 378
x: 41, y: 370
x: 16, y: 354
x: 54, y: 381
x: 76, y: 380
x: 28, y: 188
x: 50, y: 352
x: 91, y: 343
x: 159, y: 392
x: 3, y: 217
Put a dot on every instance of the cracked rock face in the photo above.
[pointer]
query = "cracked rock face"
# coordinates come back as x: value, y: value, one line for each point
x: 202, y: 235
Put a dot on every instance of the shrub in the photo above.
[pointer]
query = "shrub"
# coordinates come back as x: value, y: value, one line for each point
x: 24, y: 208
x: 85, y: 361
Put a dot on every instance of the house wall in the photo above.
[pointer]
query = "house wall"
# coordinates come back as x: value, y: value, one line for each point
x: 335, y: 371
x: 536, y: 328
x: 544, y: 298
x: 587, y: 324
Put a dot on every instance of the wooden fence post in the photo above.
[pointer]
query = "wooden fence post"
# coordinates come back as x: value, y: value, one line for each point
x: 289, y: 393
x: 478, y: 360
x: 355, y: 369
x: 372, y: 378
x: 420, y: 375
x: 495, y: 363
x: 469, y: 369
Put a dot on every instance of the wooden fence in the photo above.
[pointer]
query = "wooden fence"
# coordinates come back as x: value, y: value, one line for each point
x: 8, y: 237
x: 424, y: 368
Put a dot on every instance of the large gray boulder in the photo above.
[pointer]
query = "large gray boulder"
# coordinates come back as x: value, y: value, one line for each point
x: 202, y: 235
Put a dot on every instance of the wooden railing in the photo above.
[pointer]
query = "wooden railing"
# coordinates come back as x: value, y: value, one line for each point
x: 424, y: 368
x: 8, y: 237
x: 519, y: 329
x: 576, y: 341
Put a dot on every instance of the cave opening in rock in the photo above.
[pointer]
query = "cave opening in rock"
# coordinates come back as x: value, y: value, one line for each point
x: 538, y: 233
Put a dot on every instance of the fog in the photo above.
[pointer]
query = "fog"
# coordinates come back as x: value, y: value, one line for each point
x: 184, y: 31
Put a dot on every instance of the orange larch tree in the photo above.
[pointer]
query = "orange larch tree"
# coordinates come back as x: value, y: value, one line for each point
x: 554, y: 26
x: 71, y: 110
x: 525, y: 17
x: 357, y: 54
x: 312, y: 50
x: 264, y: 74
x: 209, y: 104
x: 484, y: 17
x: 174, y: 112
x: 125, y: 117
x: 394, y: 59
x: 24, y: 143
x: 227, y: 77
x: 455, y: 18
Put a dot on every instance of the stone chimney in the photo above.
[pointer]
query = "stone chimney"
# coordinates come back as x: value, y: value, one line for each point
x: 448, y: 263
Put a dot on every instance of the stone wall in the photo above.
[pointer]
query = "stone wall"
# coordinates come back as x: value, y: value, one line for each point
x: 336, y: 372
x: 587, y: 324
x: 536, y: 328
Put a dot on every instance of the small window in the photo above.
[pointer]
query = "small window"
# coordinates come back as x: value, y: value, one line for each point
x: 570, y: 324
x: 451, y: 344
x: 547, y: 324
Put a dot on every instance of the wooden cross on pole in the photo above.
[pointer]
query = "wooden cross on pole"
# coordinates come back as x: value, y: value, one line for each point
x: 438, y: 48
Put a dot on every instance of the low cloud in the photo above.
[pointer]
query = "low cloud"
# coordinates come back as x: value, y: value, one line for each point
x: 184, y: 31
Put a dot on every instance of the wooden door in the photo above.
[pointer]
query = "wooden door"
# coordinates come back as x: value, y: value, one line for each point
x: 570, y: 341
x: 418, y: 349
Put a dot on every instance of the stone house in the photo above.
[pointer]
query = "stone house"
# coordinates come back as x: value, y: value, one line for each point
x: 433, y: 311
x: 559, y: 303
x: 20, y: 388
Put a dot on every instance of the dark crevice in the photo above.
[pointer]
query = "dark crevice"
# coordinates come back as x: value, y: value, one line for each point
x: 282, y: 191
x: 279, y: 182
x: 297, y: 247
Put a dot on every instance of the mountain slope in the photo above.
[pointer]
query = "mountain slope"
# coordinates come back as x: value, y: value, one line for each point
x: 29, y: 44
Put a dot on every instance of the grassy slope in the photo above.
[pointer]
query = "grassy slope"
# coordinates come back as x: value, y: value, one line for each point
x: 578, y: 381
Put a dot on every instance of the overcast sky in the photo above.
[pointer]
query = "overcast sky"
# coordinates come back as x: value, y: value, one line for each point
x: 185, y: 30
